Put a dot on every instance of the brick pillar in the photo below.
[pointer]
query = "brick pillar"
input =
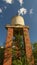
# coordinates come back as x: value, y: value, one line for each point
x: 28, y: 47
x: 8, y: 48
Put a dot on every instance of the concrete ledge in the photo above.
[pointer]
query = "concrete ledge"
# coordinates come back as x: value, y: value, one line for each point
x: 16, y: 26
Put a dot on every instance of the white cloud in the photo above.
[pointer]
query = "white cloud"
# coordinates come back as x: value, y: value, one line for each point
x: 22, y: 11
x: 31, y: 11
x: 8, y: 1
x: 21, y: 2
x: 0, y: 10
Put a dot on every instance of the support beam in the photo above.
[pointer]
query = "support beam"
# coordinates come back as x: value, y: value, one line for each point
x: 28, y: 47
x: 8, y: 48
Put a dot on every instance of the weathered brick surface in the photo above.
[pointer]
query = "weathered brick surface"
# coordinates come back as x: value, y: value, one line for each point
x: 8, y: 48
x: 28, y: 47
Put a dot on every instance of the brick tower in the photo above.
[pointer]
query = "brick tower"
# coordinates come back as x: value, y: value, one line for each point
x: 17, y: 24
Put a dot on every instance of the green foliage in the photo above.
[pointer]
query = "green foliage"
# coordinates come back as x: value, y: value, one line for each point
x: 35, y: 52
x: 1, y: 55
x: 18, y: 38
x: 19, y: 61
x: 22, y: 59
x: 16, y: 62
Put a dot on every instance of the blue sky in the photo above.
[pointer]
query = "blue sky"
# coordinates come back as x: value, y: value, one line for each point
x: 9, y: 8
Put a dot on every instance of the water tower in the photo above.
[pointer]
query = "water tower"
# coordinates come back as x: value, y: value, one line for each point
x: 17, y: 25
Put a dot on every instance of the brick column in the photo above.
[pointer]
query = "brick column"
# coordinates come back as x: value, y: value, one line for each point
x: 28, y: 47
x: 8, y: 48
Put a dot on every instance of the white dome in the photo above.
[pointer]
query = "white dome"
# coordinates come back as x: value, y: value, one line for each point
x: 17, y: 20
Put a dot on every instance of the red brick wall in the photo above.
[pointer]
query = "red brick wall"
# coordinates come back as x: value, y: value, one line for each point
x: 28, y: 47
x: 8, y: 48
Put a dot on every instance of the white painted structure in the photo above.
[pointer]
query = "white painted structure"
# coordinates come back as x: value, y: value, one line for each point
x: 17, y: 20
